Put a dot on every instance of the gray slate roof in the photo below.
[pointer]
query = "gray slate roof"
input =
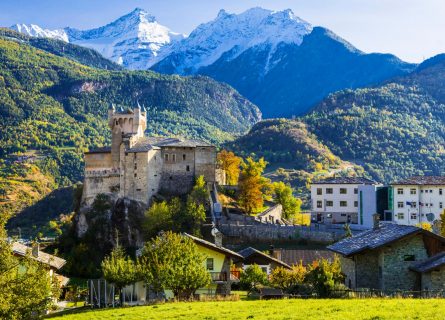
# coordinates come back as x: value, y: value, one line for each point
x: 345, y: 180
x: 373, y: 239
x: 422, y: 180
x: 213, y: 246
x: 147, y: 143
x: 53, y: 261
x: 249, y: 251
x: 429, y: 264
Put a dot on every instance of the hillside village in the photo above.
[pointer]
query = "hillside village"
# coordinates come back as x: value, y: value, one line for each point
x: 142, y: 181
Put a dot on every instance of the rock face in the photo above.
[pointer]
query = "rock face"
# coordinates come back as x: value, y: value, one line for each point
x: 110, y: 220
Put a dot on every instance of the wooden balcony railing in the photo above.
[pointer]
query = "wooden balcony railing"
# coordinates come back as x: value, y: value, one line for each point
x: 218, y: 276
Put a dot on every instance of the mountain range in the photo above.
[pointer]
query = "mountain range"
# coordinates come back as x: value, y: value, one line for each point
x: 280, y: 62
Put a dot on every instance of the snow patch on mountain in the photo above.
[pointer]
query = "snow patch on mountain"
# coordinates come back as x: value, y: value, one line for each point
x: 134, y: 40
x: 34, y: 30
x: 229, y: 35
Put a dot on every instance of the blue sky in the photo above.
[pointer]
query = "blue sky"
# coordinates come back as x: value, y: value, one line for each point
x: 411, y: 29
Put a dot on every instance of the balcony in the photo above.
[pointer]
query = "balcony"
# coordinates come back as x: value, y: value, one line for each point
x: 218, y: 276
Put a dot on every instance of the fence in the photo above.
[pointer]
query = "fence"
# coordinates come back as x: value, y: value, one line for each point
x: 372, y: 293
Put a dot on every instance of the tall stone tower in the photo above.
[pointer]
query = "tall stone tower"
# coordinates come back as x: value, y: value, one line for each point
x: 126, y: 127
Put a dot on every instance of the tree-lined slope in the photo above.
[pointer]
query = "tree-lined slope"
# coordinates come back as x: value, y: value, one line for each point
x: 393, y: 130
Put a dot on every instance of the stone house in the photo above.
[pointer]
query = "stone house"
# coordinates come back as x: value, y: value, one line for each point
x: 390, y: 257
x: 137, y: 167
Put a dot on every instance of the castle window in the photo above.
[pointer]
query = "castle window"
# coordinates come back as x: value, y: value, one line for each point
x: 183, y: 157
x: 173, y: 157
x: 135, y: 175
x: 135, y: 166
x: 138, y: 189
x: 187, y: 168
x: 166, y: 157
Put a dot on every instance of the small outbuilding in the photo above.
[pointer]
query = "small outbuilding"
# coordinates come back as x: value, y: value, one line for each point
x: 392, y: 257
x: 267, y: 262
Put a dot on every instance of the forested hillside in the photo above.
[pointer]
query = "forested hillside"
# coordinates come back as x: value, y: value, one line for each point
x: 294, y: 154
x: 56, y: 107
x: 393, y: 130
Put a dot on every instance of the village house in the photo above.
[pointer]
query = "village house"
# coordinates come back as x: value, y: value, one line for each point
x: 392, y: 257
x: 138, y: 167
x: 418, y: 199
x: 218, y: 262
x: 54, y: 263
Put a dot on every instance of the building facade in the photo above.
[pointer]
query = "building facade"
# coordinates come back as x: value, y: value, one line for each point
x: 336, y: 200
x: 418, y: 199
x: 137, y: 167
x: 387, y: 258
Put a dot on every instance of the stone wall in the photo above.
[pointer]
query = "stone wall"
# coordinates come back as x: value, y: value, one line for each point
x: 178, y: 173
x: 348, y: 269
x: 367, y: 270
x: 97, y: 161
x: 142, y: 175
x: 396, y: 273
x: 434, y: 280
x: 105, y: 181
x: 267, y: 232
x: 205, y: 162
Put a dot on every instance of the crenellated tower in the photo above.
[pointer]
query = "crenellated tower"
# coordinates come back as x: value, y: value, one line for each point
x: 127, y: 126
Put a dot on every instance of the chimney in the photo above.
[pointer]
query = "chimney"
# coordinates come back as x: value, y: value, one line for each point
x: 35, y: 249
x: 376, y: 220
x: 271, y: 250
x: 217, y: 235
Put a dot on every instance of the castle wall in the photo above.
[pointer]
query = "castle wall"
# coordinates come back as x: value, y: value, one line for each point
x: 142, y: 174
x: 178, y: 174
x: 97, y: 161
x: 96, y: 183
x: 205, y: 161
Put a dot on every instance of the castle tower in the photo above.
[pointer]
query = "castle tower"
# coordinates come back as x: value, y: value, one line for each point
x: 126, y: 127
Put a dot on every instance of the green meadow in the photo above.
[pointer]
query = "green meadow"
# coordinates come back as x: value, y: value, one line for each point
x: 374, y: 309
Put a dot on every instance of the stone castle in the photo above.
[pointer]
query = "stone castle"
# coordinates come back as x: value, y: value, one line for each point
x: 138, y: 167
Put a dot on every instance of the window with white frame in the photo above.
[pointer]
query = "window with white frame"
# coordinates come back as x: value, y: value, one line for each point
x: 329, y: 191
x: 343, y: 203
x: 329, y: 203
x: 319, y: 204
x: 400, y: 204
x: 413, y: 215
x: 343, y: 191
x: 400, y: 216
x: 399, y: 190
x: 413, y: 191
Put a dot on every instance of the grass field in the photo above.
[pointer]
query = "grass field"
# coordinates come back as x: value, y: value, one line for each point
x: 372, y: 309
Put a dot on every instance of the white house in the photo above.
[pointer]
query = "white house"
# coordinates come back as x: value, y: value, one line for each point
x: 418, y: 199
x: 336, y: 200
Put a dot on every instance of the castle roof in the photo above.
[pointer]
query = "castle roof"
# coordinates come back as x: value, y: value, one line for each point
x: 147, y: 143
x: 422, y: 180
x: 346, y: 180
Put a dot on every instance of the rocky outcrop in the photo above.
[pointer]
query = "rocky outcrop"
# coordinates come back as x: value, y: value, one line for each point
x: 109, y: 220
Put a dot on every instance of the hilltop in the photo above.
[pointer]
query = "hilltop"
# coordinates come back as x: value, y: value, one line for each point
x: 294, y: 153
x: 393, y: 130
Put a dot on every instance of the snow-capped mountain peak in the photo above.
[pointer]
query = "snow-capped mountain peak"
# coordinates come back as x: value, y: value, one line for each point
x: 34, y: 30
x: 133, y: 40
x: 232, y: 34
